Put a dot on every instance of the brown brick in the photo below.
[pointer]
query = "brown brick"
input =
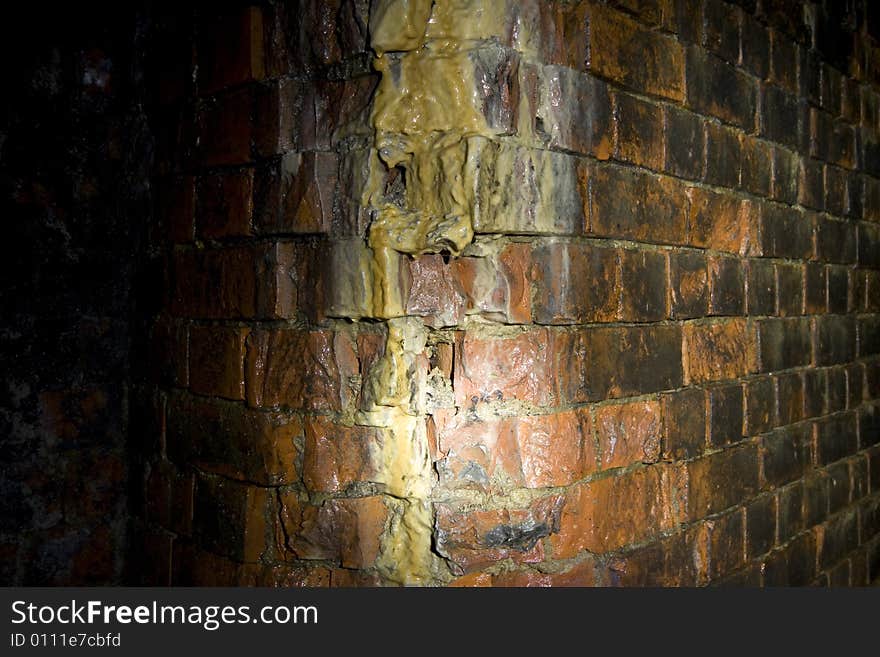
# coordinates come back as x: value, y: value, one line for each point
x: 721, y: 480
x: 762, y: 287
x: 639, y: 132
x: 756, y: 169
x: 337, y: 456
x: 790, y: 286
x: 760, y: 526
x: 629, y: 204
x: 723, y: 156
x: 216, y: 361
x: 615, y: 511
x: 717, y: 351
x: 725, y: 414
x: 635, y: 360
x: 628, y: 433
x: 225, y: 205
x: 668, y: 562
x: 794, y: 565
x: 225, y: 129
x: 231, y: 518
x: 721, y: 221
x: 234, y: 441
x: 786, y: 454
x: 722, y: 539
x: 784, y: 186
x: 532, y: 451
x: 685, y: 143
x: 626, y: 50
x: 684, y: 424
x: 760, y: 398
x: 835, y: 339
x: 505, y: 368
x: 299, y: 369
x: 790, y: 392
x: 726, y: 286
x: 214, y: 283
x: 643, y: 285
x: 476, y: 539
x: 230, y: 49
x: 688, y: 285
x: 785, y: 232
x: 575, y: 284
x: 720, y: 90
x: 836, y: 437
x: 784, y: 343
x: 347, y: 531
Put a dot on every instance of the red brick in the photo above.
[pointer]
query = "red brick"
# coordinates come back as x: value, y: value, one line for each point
x: 433, y: 293
x: 348, y: 531
x: 532, y: 451
x: 475, y: 539
x: 234, y: 441
x: 616, y: 511
x: 296, y: 195
x: 515, y: 260
x: 230, y: 49
x: 621, y: 50
x: 216, y: 361
x: 628, y: 433
x: 289, y: 281
x: 225, y: 205
x: 516, y: 367
x: 336, y: 456
x: 717, y: 351
x: 689, y: 287
x: 575, y: 283
x: 299, y: 369
x: 214, y: 283
x: 721, y: 221
x: 721, y: 480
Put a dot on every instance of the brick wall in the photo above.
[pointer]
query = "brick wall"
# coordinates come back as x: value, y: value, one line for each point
x: 516, y: 293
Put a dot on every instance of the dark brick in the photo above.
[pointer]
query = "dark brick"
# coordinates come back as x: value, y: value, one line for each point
x: 790, y: 285
x: 689, y: 20
x: 783, y: 61
x: 629, y: 204
x: 790, y: 503
x: 762, y: 287
x: 721, y: 480
x: 869, y: 245
x: 838, y: 290
x: 785, y: 176
x: 780, y: 113
x: 793, y: 565
x: 225, y: 129
x: 726, y: 286
x: 689, y: 285
x: 225, y: 205
x: 639, y: 131
x: 871, y: 209
x: 838, y: 486
x: 790, y: 390
x: 297, y: 194
x: 835, y: 339
x: 811, y: 76
x: 785, y: 232
x: 814, y: 392
x: 755, y: 47
x: 836, y: 191
x: 216, y: 361
x: 784, y: 343
x: 634, y: 56
x: 231, y: 518
x: 854, y: 383
x: 831, y: 89
x: 836, y: 437
x: 760, y: 399
x: 721, y: 29
x: 760, y: 526
x: 725, y: 543
x: 836, y: 382
x: 869, y: 426
x: 214, y: 283
x: 785, y: 454
x: 643, y: 285
x: 854, y: 195
x: 575, y: 283
x: 838, y: 537
x: 820, y: 134
x: 635, y: 360
x: 811, y: 184
x: 816, y: 494
x: 684, y: 424
x: 723, y: 156
x: 686, y: 143
x: 756, y: 169
x: 718, y: 89
x: 230, y: 49
x: 869, y: 335
x: 835, y: 241
x: 815, y: 289
x: 725, y: 414
x: 278, y: 117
